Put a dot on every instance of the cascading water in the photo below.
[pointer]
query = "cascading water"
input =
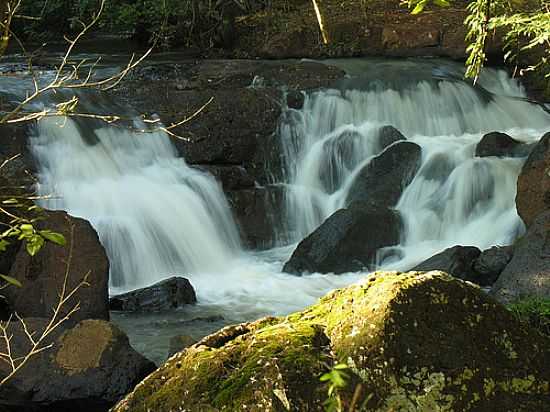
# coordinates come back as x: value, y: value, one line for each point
x: 156, y: 216
x: 455, y: 198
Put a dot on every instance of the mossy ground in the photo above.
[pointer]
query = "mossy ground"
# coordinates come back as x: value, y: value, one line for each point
x: 412, y: 342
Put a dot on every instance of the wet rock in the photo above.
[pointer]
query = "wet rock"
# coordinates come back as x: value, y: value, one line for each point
x: 501, y: 145
x: 231, y: 177
x: 179, y: 343
x: 165, y: 295
x: 491, y: 262
x: 346, y: 242
x: 412, y: 341
x: 457, y: 261
x: 88, y: 368
x: 528, y: 273
x: 533, y: 192
x: 382, y: 181
x: 388, y: 135
x: 236, y: 128
x: 344, y: 152
x: 42, y: 275
x: 258, y: 213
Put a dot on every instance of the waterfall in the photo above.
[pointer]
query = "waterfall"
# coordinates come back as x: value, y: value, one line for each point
x: 155, y: 215
x: 455, y: 198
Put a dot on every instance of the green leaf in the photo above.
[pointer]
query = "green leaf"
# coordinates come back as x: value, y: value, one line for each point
x: 9, y: 201
x: 419, y: 7
x: 3, y: 245
x: 442, y: 3
x: 34, y: 244
x: 54, y: 237
x: 11, y: 280
x: 27, y: 229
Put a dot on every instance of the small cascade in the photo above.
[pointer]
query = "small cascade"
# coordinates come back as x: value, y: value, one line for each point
x: 455, y: 198
x: 155, y: 215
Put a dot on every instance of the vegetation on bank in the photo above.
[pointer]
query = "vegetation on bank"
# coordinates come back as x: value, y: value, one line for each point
x: 534, y: 312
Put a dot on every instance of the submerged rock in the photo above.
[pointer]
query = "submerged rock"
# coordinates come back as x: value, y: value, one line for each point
x: 533, y: 194
x: 179, y: 343
x: 528, y: 273
x: 42, y: 275
x: 88, y: 368
x: 382, y: 181
x: 414, y: 342
x: 346, y: 242
x: 165, y: 295
x: 501, y: 145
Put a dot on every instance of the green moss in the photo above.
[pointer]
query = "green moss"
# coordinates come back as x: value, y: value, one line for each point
x: 533, y: 311
x: 412, y: 341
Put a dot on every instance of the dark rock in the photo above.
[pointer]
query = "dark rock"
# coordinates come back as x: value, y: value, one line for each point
x: 88, y: 368
x: 533, y: 193
x: 528, y: 273
x: 413, y: 342
x: 165, y: 295
x: 459, y: 262
x: 346, y: 242
x: 179, y: 343
x: 295, y: 99
x: 388, y: 135
x: 231, y: 177
x: 42, y: 275
x: 236, y: 128
x: 491, y: 262
x: 258, y: 212
x: 501, y: 145
x: 342, y: 154
x: 382, y: 181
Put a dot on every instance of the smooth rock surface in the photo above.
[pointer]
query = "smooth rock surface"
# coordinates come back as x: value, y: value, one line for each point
x: 501, y: 145
x: 533, y: 193
x: 168, y: 294
x: 528, y: 273
x: 382, y: 181
x: 346, y: 242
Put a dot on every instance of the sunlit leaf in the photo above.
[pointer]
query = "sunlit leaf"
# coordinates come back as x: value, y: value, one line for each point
x: 34, y: 244
x: 54, y: 237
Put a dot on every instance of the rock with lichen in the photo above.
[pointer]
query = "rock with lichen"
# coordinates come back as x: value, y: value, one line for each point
x: 87, y: 368
x: 411, y: 342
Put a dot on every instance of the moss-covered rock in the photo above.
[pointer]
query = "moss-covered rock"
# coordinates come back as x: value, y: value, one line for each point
x: 412, y: 342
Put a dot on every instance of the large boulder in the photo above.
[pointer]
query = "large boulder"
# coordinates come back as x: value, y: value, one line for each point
x: 411, y: 342
x: 42, y: 276
x: 346, y: 242
x: 533, y: 194
x: 500, y: 145
x: 528, y: 273
x: 168, y: 294
x: 382, y: 181
x: 87, y: 368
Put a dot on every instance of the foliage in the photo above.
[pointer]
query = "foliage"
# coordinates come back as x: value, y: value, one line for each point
x: 533, y: 311
x: 337, y: 380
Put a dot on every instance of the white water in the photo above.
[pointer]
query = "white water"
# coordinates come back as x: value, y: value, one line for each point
x: 455, y: 197
x: 157, y: 216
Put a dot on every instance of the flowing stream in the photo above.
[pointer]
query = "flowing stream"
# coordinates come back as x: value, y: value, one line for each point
x: 157, y: 216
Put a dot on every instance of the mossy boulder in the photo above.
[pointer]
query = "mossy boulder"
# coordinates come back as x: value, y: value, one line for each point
x: 412, y: 342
